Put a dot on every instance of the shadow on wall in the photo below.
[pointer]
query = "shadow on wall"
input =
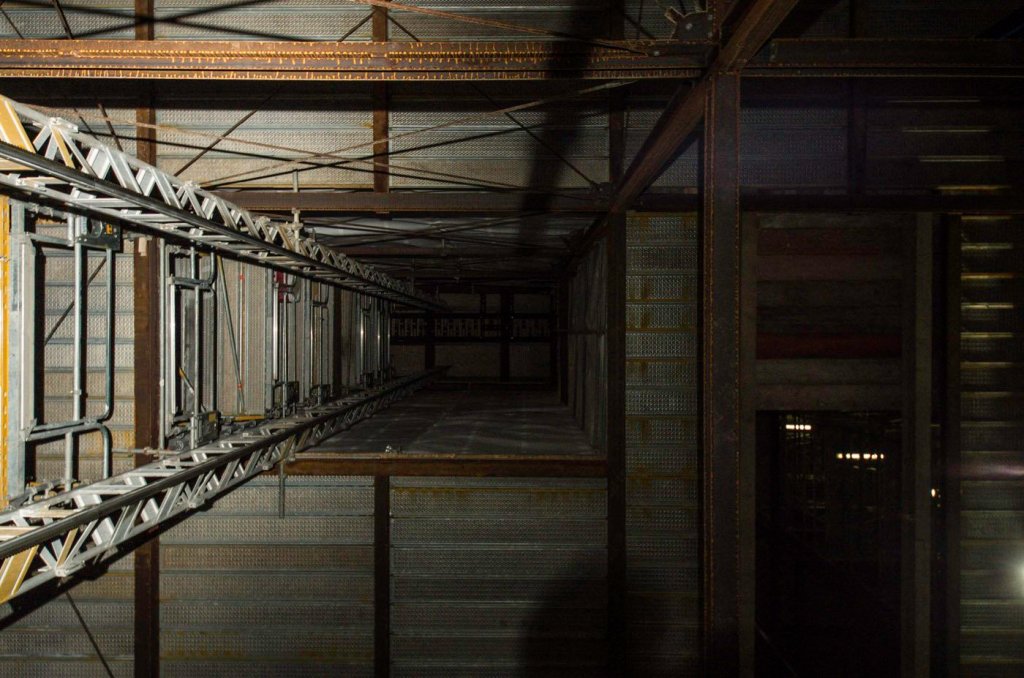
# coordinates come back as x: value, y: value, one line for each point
x: 567, y: 636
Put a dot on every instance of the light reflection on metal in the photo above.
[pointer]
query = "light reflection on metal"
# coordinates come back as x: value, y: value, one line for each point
x: 65, y: 166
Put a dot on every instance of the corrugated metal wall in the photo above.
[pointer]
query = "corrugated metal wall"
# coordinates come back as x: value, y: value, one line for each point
x: 992, y: 440
x: 245, y: 592
x: 663, y: 583
x: 829, y: 314
x: 51, y: 643
x: 498, y: 577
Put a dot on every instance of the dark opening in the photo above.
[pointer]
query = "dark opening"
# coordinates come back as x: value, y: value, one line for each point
x: 828, y: 544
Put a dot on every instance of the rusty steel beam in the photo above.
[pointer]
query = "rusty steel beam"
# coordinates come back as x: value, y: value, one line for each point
x: 350, y: 61
x: 686, y: 109
x: 509, y: 60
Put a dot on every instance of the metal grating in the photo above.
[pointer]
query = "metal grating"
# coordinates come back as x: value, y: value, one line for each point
x: 498, y: 576
x: 662, y: 518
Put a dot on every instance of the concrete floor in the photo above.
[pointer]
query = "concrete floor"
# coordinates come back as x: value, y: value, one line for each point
x: 527, y: 422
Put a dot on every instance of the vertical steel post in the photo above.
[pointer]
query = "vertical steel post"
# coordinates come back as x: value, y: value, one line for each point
x: 5, y: 341
x: 615, y: 347
x: 952, y: 444
x: 21, y: 345
x: 150, y: 273
x: 149, y: 248
x: 915, y: 590
x: 76, y: 226
x: 721, y: 377
x: 747, y: 498
x: 505, y: 364
x: 197, y: 345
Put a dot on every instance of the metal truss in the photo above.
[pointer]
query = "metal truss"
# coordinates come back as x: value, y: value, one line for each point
x: 50, y: 160
x: 54, y: 537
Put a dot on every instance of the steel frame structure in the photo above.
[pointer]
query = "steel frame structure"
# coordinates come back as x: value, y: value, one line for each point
x: 55, y: 536
x: 56, y: 163
x: 79, y: 241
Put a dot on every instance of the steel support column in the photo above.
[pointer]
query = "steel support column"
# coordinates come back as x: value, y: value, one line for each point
x: 147, y: 377
x: 721, y: 378
x: 5, y: 338
x: 615, y: 253
x: 952, y: 444
x: 915, y: 589
x: 382, y: 576
x: 747, y: 507
x: 505, y: 347
x: 21, y: 342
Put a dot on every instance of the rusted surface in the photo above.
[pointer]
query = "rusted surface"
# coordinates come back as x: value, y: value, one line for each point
x: 374, y: 61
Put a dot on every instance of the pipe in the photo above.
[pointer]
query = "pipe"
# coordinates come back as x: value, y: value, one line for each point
x: 275, y: 322
x: 197, y: 338
x: 231, y: 336
x: 243, y: 368
x: 77, y: 353
x: 163, y: 358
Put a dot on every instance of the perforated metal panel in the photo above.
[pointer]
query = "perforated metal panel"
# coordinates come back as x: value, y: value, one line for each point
x: 246, y: 592
x: 498, y: 576
x: 662, y: 519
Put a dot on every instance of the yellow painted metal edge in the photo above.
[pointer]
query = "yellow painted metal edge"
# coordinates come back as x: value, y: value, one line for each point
x: 13, y: 571
x: 5, y: 310
x: 13, y: 132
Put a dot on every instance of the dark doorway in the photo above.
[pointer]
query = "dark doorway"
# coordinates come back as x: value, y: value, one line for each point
x: 828, y: 544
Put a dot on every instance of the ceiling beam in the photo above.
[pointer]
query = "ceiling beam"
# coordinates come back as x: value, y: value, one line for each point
x: 443, y: 203
x: 351, y: 61
x: 686, y: 109
x: 864, y: 57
